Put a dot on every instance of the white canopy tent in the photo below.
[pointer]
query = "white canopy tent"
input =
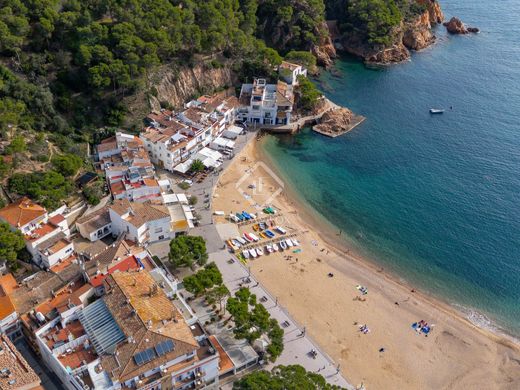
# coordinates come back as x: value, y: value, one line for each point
x: 232, y: 132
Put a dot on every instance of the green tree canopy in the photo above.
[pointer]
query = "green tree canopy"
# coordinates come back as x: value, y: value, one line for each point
x: 308, y: 93
x: 203, y: 280
x: 11, y: 242
x: 252, y: 320
x: 47, y: 188
x: 293, y: 377
x: 186, y: 251
x: 67, y: 164
x: 197, y: 166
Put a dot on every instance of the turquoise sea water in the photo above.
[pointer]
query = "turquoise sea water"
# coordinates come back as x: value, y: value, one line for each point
x: 436, y: 199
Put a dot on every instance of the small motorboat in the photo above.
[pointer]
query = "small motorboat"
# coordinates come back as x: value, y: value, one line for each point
x: 248, y: 237
x: 263, y: 235
x: 255, y: 238
x: 234, y: 218
x: 275, y: 247
x: 236, y: 243
x: 281, y: 230
x: 295, y: 242
x: 289, y: 242
x: 240, y: 216
x: 259, y: 251
x: 283, y: 245
x: 269, y: 248
x: 269, y: 233
x: 256, y: 227
x: 247, y: 215
x: 241, y: 240
x: 436, y: 111
x: 245, y: 253
x: 252, y: 252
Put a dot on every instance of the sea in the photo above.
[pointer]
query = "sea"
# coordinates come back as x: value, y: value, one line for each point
x: 434, y: 199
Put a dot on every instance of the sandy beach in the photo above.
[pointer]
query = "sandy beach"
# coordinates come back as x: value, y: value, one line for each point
x: 454, y: 355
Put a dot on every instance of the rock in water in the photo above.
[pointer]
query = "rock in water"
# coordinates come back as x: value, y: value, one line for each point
x: 455, y: 26
x: 473, y: 30
x: 335, y: 121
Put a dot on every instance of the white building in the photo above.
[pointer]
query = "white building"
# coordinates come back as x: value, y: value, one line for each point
x: 24, y: 215
x: 171, y: 139
x: 289, y: 72
x: 53, y: 250
x: 266, y: 104
x: 141, y: 222
x: 95, y: 225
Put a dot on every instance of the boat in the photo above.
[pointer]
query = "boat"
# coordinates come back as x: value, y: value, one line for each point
x: 275, y: 247
x: 259, y: 251
x: 256, y: 227
x: 289, y: 242
x: 245, y: 253
x: 233, y: 218
x: 236, y: 243
x: 262, y: 225
x: 269, y: 248
x: 241, y: 240
x: 436, y: 111
x: 252, y: 252
x: 283, y: 245
x: 247, y: 237
x: 247, y: 215
x: 295, y: 242
x: 281, y: 230
x: 255, y: 238
x: 240, y: 216
x: 269, y: 233
x: 231, y: 245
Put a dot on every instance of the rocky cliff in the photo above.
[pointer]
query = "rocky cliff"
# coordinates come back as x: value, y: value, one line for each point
x: 415, y: 33
x: 179, y: 85
x: 325, y: 51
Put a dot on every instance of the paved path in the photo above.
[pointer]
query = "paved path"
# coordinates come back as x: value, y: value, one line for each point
x: 296, y: 345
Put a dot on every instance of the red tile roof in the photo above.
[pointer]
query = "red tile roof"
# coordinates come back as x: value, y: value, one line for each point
x: 21, y: 212
x: 127, y: 264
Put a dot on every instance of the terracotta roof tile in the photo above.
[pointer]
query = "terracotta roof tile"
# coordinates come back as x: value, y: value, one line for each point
x: 21, y: 212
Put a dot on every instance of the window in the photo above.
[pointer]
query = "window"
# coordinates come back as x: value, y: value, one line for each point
x: 158, y: 230
x: 256, y: 107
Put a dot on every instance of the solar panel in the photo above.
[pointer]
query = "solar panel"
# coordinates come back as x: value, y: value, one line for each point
x: 164, y: 347
x: 144, y: 357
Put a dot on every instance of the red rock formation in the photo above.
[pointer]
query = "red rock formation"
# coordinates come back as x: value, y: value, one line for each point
x: 417, y: 34
x: 325, y: 51
x: 455, y: 26
x: 434, y: 11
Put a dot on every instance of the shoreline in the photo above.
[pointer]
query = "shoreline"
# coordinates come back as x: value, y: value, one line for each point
x: 331, y: 309
x: 313, y: 220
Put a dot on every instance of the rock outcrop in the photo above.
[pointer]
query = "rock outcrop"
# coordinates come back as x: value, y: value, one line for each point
x: 325, y: 52
x: 337, y: 121
x: 455, y: 26
x: 434, y: 11
x: 418, y: 33
x: 412, y: 34
x: 179, y: 85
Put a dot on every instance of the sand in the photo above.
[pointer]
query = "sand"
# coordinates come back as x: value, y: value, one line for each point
x: 455, y: 355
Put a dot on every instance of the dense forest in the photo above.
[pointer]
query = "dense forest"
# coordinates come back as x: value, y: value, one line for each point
x: 67, y: 65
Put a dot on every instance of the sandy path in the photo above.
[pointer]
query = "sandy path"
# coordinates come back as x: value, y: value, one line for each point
x: 455, y: 355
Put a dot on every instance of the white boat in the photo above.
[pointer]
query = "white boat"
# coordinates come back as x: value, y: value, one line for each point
x: 245, y: 253
x: 295, y: 242
x: 241, y: 240
x: 289, y: 242
x: 436, y: 111
x: 281, y: 229
x: 247, y: 237
x: 269, y: 248
x: 275, y: 247
x: 236, y: 243
x: 234, y: 218
x: 259, y: 251
x: 283, y: 245
x: 255, y: 238
x: 252, y: 252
